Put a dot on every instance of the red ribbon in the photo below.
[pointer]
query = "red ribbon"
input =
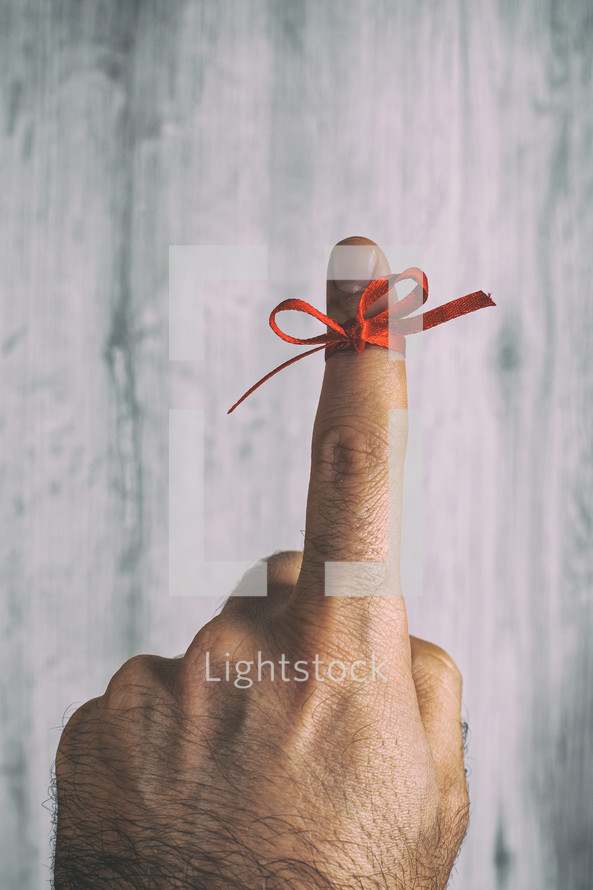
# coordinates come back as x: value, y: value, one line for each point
x: 388, y: 329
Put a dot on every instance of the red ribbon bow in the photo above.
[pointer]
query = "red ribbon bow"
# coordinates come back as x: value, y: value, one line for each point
x: 389, y: 328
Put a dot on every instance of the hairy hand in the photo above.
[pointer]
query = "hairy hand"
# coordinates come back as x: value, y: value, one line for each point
x: 304, y: 740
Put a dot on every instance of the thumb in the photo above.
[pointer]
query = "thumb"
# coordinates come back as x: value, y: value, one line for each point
x: 438, y: 686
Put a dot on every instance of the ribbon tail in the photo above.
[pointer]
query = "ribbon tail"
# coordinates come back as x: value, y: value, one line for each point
x: 461, y: 306
x: 281, y: 367
x: 469, y: 303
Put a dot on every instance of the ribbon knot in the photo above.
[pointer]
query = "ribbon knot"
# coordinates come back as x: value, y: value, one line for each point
x: 387, y: 329
x: 356, y: 335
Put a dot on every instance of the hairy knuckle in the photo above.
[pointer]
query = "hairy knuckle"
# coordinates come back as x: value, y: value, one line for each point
x: 225, y: 638
x: 77, y: 722
x: 349, y: 453
x: 133, y: 681
x: 221, y: 634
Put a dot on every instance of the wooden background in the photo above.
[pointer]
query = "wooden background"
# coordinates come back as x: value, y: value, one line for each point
x: 464, y: 131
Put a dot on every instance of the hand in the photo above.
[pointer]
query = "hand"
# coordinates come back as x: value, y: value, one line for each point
x: 352, y: 777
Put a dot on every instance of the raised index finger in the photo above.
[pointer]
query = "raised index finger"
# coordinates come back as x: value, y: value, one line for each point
x: 353, y: 525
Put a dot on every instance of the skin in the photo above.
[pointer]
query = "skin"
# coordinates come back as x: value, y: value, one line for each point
x: 169, y: 780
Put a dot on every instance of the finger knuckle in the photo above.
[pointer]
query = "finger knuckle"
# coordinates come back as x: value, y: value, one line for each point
x: 226, y: 638
x: 132, y: 682
x: 284, y: 567
x: 284, y: 558
x: 77, y: 721
x: 345, y: 452
x: 438, y: 662
x: 222, y: 634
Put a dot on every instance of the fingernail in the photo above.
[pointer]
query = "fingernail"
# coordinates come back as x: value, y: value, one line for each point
x: 352, y: 266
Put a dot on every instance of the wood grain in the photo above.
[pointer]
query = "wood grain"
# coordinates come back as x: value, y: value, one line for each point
x: 464, y: 130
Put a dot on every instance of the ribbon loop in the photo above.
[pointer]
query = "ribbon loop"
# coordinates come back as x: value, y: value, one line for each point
x: 387, y: 329
x: 301, y: 306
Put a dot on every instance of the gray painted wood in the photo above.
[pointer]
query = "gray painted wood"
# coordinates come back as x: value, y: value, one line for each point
x: 462, y: 129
